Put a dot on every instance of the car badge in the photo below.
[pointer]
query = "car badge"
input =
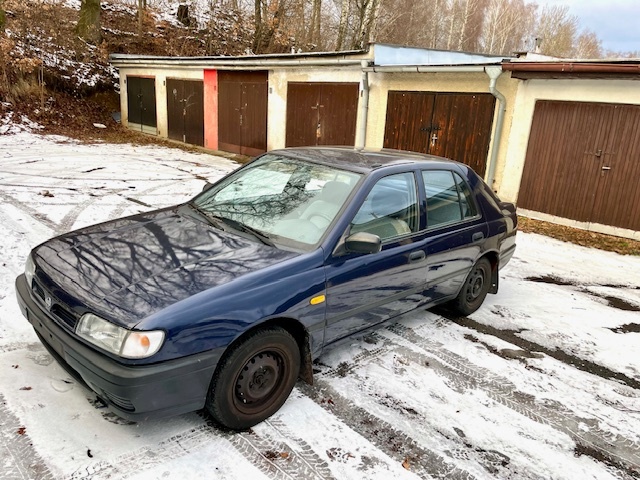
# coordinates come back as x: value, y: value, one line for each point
x: 48, y: 301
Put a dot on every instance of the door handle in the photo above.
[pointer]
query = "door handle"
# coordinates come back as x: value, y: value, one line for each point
x: 477, y: 236
x: 417, y: 256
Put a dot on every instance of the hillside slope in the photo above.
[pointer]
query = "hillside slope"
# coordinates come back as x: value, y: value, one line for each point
x: 52, y: 80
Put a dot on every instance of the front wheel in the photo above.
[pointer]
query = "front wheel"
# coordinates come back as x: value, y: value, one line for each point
x: 474, y: 290
x: 254, y: 379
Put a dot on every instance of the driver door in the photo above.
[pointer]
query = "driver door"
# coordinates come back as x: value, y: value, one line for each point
x: 363, y: 290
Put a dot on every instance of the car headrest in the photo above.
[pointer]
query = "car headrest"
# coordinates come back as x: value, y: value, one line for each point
x: 335, y: 192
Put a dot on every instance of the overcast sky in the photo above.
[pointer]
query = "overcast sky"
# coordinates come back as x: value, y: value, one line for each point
x: 616, y: 22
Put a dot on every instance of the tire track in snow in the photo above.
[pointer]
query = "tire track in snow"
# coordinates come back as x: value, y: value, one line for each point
x: 393, y: 442
x: 491, y: 460
x: 274, y: 458
x: 31, y: 212
x: 605, y: 446
x: 146, y: 458
x: 277, y: 460
x: 313, y: 461
x: 20, y: 460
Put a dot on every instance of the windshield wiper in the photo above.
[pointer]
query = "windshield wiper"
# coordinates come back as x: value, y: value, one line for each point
x: 217, y: 221
x: 263, y: 237
x: 221, y: 222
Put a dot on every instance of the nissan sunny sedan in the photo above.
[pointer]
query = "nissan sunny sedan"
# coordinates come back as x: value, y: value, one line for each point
x: 223, y: 302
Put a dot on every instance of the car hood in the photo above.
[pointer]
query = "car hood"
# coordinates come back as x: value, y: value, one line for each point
x: 128, y: 269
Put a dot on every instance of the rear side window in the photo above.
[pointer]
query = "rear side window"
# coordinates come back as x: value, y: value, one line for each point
x: 448, y: 198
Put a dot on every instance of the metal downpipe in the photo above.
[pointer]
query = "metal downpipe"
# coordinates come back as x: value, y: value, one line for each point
x: 361, y: 137
x: 494, y: 72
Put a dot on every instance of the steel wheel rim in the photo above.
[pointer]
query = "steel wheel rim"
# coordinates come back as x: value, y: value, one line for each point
x: 259, y: 381
x: 475, y: 284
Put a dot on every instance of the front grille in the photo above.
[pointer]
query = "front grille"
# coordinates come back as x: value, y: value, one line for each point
x: 67, y: 318
x: 60, y: 313
x: 38, y: 290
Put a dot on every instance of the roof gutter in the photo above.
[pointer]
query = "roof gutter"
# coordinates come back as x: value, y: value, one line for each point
x: 570, y: 67
x: 493, y: 71
x: 425, y: 69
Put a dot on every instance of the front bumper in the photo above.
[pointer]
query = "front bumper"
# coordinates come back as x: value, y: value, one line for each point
x: 133, y: 392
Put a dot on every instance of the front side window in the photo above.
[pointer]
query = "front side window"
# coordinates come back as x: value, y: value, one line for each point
x: 292, y: 202
x: 391, y: 208
x: 448, y: 198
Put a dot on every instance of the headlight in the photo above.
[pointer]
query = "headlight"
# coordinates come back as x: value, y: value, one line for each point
x: 29, y: 270
x: 118, y: 340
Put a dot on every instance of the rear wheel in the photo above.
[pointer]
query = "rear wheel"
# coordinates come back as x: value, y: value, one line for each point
x: 254, y: 378
x: 474, y: 290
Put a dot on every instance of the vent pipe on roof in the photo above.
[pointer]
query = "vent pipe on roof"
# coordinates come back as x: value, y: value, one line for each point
x: 361, y: 134
x: 494, y: 72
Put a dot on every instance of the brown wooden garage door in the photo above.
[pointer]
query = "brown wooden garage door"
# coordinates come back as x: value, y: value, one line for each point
x: 242, y: 114
x: 583, y: 163
x: 321, y: 114
x: 452, y: 125
x: 185, y: 110
x: 141, y: 104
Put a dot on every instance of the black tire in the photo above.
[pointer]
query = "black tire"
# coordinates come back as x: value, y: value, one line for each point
x: 474, y: 290
x: 254, y: 378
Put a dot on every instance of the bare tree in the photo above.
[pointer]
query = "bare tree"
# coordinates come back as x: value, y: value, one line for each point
x: 558, y: 31
x: 367, y: 15
x: 588, y: 45
x: 142, y: 6
x: 316, y: 16
x: 506, y: 25
x: 88, y: 26
x: 3, y: 16
x: 342, y: 27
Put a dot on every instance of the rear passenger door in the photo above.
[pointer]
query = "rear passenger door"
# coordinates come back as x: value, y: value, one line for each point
x: 456, y: 232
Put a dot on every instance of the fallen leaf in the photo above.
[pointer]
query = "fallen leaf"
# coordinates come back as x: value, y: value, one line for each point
x: 284, y: 454
x: 89, y: 454
x: 22, y: 430
x: 25, y: 388
x: 405, y: 464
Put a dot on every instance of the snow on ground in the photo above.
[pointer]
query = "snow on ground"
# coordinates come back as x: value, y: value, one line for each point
x: 515, y: 391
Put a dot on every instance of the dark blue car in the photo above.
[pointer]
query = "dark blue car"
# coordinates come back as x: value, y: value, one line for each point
x: 223, y: 302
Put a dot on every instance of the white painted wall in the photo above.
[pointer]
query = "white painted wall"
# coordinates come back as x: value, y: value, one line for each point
x: 575, y: 90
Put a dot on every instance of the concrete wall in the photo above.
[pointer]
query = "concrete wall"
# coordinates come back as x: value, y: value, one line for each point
x: 575, y: 90
x: 160, y: 76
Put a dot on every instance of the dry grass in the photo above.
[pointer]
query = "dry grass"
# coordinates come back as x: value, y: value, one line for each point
x: 601, y: 241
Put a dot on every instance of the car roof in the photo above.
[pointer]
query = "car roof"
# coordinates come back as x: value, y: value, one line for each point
x: 360, y: 160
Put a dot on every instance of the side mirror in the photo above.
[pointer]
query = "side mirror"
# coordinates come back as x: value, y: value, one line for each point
x: 207, y: 186
x: 363, y: 242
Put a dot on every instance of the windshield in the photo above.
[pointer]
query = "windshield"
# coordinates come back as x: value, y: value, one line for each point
x: 288, y: 201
